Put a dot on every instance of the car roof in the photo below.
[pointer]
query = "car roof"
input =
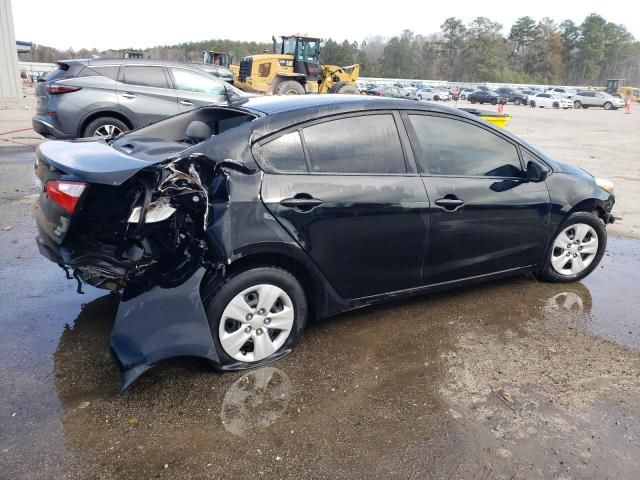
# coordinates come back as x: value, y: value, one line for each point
x: 333, y: 104
x: 127, y: 61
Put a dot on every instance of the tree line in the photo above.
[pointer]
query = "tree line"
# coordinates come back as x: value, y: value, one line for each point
x: 533, y: 51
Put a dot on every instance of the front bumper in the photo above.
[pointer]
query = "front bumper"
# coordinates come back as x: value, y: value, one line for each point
x: 44, y: 125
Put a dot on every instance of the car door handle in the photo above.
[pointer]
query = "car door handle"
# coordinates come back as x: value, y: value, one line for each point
x: 302, y: 201
x: 128, y: 95
x: 449, y: 203
x: 185, y: 103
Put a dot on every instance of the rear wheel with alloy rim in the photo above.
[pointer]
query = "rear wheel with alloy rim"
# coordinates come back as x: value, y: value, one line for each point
x: 257, y: 316
x: 105, y: 127
x: 576, y: 249
x: 608, y: 106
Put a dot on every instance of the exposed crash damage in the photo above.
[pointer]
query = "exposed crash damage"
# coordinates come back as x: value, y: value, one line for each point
x: 126, y: 218
x: 224, y: 229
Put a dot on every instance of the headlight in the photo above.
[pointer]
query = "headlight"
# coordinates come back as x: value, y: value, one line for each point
x: 604, y: 184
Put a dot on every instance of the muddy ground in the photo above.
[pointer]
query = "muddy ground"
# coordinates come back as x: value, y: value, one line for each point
x: 512, y: 379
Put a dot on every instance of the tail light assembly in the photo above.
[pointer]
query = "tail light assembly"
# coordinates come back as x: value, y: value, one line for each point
x: 57, y: 89
x: 65, y: 194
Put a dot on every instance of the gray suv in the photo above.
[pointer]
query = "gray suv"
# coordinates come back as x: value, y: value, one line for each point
x: 588, y: 98
x: 86, y: 98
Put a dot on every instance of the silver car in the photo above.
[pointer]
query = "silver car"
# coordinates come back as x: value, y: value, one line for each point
x: 588, y: 98
x: 86, y: 98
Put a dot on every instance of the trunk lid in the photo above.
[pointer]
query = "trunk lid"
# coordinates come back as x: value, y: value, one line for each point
x: 92, y: 161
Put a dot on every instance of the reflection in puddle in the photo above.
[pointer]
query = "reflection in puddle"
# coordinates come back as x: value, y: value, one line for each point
x: 255, y: 400
x: 575, y: 299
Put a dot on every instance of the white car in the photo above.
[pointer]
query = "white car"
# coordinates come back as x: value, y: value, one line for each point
x: 429, y: 93
x: 548, y: 100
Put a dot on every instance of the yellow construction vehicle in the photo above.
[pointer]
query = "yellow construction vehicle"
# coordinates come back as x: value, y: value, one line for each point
x: 296, y: 69
x: 615, y: 86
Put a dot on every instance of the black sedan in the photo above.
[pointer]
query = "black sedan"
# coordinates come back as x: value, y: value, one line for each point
x: 485, y: 96
x: 226, y: 228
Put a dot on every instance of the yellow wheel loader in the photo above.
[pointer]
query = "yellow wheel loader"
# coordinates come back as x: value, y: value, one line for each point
x: 293, y: 71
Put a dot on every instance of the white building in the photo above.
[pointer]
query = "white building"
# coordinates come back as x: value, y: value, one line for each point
x: 9, y: 73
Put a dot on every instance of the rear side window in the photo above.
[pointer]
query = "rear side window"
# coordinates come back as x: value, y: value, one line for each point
x: 109, y: 71
x: 366, y: 144
x: 146, y: 76
x: 284, y: 154
x: 453, y: 147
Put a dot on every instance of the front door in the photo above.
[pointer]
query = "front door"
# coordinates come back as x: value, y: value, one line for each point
x: 195, y: 89
x: 349, y: 200
x: 485, y: 217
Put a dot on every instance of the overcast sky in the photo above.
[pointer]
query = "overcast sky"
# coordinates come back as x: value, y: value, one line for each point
x: 144, y: 23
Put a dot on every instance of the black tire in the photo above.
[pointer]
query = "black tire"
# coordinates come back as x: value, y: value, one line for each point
x: 436, y: 98
x: 556, y: 105
x: 420, y: 97
x: 577, y: 104
x: 494, y: 102
x: 585, y: 106
x: 473, y: 102
x: 344, y: 89
x: 230, y: 287
x: 517, y: 101
x: 290, y: 87
x: 533, y: 104
x: 550, y: 274
x: 607, y: 106
x: 105, y: 124
x: 463, y: 97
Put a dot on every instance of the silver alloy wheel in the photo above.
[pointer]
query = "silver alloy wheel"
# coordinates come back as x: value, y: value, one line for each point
x: 256, y: 323
x: 107, y: 131
x: 574, y: 249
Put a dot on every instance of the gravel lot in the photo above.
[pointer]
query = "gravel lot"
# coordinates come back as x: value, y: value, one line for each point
x: 512, y: 379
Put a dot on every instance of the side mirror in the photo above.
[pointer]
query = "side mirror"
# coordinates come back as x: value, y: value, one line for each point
x: 536, y: 173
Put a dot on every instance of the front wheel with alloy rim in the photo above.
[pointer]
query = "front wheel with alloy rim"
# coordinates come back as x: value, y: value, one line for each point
x: 576, y: 249
x: 517, y: 101
x: 577, y: 104
x: 256, y: 317
x: 105, y: 127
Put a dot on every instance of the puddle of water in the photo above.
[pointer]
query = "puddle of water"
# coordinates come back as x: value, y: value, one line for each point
x: 387, y: 392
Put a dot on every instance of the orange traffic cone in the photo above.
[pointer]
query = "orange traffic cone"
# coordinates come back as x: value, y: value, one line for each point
x: 627, y: 106
x: 500, y: 108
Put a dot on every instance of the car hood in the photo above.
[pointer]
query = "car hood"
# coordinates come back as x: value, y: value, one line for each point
x: 92, y: 161
x: 572, y: 170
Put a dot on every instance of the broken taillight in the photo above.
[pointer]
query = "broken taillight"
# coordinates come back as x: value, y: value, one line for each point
x: 65, y: 194
x: 57, y: 89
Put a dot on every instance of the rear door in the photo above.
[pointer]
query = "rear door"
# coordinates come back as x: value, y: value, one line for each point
x: 145, y: 95
x: 195, y: 89
x: 344, y: 191
x: 485, y: 217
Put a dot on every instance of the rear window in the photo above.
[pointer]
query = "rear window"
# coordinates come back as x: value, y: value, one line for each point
x: 65, y: 70
x: 146, y: 76
x: 365, y: 144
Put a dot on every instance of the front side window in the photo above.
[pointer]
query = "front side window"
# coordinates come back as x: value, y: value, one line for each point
x: 146, y: 76
x: 453, y: 147
x: 365, y: 144
x: 195, y: 82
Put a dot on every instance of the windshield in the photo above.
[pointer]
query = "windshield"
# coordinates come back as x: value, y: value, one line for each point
x: 308, y: 51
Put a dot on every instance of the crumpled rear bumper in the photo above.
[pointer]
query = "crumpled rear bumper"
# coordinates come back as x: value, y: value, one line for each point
x: 160, y: 323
